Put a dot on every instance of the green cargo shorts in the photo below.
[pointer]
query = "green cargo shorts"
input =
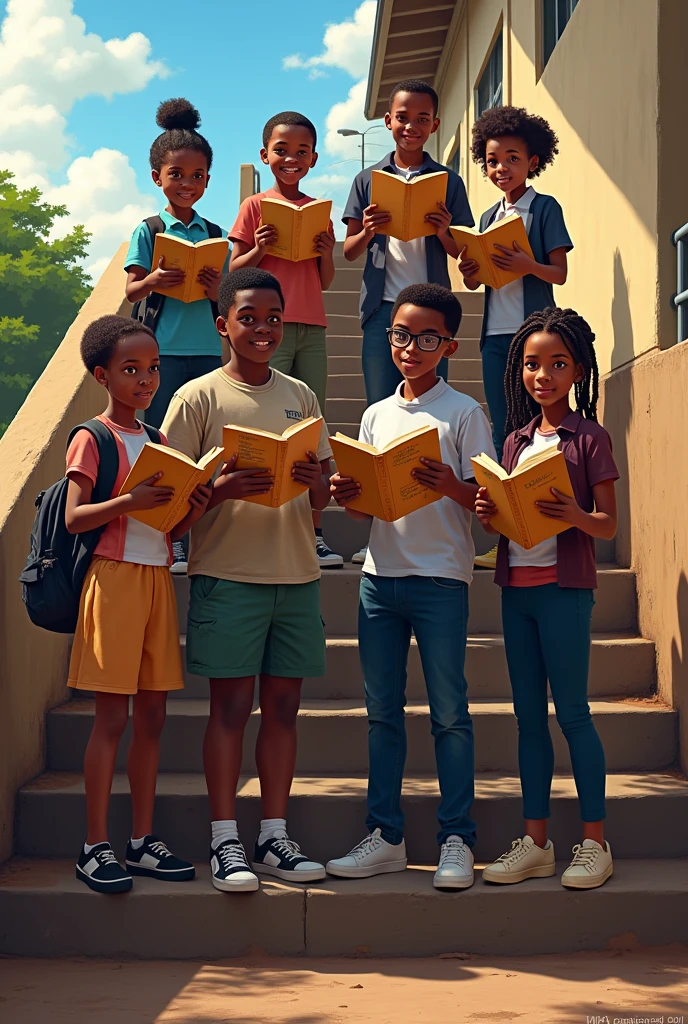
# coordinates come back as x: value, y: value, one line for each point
x: 303, y: 354
x: 243, y: 629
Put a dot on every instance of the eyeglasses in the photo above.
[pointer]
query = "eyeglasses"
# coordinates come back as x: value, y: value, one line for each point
x: 425, y: 342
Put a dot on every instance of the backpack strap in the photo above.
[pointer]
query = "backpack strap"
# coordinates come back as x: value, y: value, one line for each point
x: 148, y: 310
x: 108, y: 458
x: 154, y: 434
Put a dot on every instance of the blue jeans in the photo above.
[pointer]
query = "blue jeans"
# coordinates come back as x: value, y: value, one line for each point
x: 547, y: 635
x: 437, y: 612
x: 381, y: 376
x: 494, y: 353
x: 175, y: 371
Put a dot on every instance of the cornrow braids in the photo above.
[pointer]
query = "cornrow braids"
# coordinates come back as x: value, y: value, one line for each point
x: 579, y: 339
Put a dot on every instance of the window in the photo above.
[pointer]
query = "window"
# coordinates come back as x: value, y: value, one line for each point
x: 555, y: 18
x: 489, y: 91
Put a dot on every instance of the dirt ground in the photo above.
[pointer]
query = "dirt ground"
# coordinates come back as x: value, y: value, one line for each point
x: 575, y: 989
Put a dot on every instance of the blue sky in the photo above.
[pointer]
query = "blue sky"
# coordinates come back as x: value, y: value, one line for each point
x: 82, y: 109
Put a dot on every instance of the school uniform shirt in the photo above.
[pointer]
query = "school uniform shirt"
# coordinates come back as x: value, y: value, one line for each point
x: 303, y: 298
x: 381, y: 252
x: 183, y: 328
x: 546, y: 230
x: 435, y: 540
x: 505, y: 314
x: 124, y: 539
x: 239, y: 540
x: 587, y: 449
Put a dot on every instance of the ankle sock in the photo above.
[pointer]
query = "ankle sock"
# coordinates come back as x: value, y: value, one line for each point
x: 137, y: 843
x: 91, y: 846
x: 222, y: 831
x: 271, y: 828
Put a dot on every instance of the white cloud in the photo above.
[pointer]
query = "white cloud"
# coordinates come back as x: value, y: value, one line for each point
x: 349, y: 114
x: 322, y: 184
x: 347, y: 44
x: 49, y: 61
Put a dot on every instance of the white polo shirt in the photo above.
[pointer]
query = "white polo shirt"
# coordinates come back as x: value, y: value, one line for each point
x: 505, y: 314
x: 435, y: 540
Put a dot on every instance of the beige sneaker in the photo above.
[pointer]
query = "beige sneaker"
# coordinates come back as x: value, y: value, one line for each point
x: 591, y: 866
x: 488, y: 560
x: 524, y: 860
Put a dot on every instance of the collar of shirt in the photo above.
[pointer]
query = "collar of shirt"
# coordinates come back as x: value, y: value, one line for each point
x: 429, y: 396
x: 387, y: 164
x: 170, y: 221
x: 521, y: 205
x: 568, y: 426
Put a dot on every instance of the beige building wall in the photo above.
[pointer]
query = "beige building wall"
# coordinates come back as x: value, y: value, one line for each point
x: 599, y: 92
x: 33, y: 662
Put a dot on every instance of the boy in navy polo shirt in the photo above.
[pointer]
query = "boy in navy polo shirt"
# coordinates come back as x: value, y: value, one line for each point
x: 392, y: 265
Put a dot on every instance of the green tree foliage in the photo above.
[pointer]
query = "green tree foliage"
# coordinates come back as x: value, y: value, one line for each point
x: 42, y: 287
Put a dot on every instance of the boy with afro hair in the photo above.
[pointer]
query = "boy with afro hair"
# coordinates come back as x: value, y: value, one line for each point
x: 513, y: 147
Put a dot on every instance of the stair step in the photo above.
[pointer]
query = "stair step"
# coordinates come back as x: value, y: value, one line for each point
x: 46, y: 912
x: 638, y: 735
x: 621, y: 665
x: 343, y: 302
x: 614, y: 611
x: 326, y: 815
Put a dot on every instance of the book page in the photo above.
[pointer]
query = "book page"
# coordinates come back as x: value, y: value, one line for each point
x: 358, y: 462
x: 177, y: 471
x: 211, y: 252
x: 425, y: 192
x: 254, y: 450
x: 282, y: 217
x: 388, y: 192
x: 504, y: 521
x: 312, y: 219
x: 475, y: 251
x: 298, y: 444
x: 175, y: 253
x: 407, y: 494
x: 505, y: 232
x: 535, y: 484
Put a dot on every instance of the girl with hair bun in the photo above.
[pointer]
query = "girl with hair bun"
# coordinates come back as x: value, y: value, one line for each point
x: 190, y: 346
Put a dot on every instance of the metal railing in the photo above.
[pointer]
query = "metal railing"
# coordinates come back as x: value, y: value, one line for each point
x: 680, y: 300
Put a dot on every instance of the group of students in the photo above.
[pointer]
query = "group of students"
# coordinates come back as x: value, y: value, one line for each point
x: 254, y: 570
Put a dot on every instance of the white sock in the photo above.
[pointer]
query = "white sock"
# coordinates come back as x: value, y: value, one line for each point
x: 272, y: 828
x: 88, y: 847
x: 136, y: 843
x: 222, y: 831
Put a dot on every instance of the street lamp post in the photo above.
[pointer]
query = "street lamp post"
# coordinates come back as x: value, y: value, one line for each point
x: 354, y: 131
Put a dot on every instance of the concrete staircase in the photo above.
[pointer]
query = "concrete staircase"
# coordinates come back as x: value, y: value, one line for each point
x: 45, y: 912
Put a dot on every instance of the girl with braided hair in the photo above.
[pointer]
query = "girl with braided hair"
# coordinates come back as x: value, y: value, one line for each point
x: 547, y: 591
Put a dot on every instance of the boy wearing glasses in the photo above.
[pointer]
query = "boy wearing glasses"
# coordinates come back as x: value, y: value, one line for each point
x: 415, y: 579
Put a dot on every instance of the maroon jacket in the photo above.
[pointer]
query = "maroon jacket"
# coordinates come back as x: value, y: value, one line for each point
x: 587, y: 449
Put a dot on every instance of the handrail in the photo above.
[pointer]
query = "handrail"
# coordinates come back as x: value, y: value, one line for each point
x: 679, y: 300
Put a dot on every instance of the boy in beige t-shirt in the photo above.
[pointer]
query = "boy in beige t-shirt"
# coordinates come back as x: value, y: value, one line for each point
x: 255, y: 604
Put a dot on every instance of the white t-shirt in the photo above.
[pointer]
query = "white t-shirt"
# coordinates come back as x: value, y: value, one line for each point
x: 405, y: 262
x: 435, y: 540
x: 505, y: 312
x: 544, y: 553
x: 142, y: 544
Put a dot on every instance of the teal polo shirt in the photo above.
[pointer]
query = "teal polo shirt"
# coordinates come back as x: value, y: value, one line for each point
x: 184, y: 328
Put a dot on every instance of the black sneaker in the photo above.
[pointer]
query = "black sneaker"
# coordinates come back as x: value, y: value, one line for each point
x: 230, y: 869
x: 283, y: 859
x: 327, y: 559
x: 152, y: 858
x: 179, y: 560
x: 100, y: 870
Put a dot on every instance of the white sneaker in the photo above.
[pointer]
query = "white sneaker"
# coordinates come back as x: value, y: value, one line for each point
x: 455, y: 869
x: 179, y: 562
x: 591, y: 866
x: 327, y: 559
x: 373, y: 856
x: 524, y: 860
x: 360, y: 556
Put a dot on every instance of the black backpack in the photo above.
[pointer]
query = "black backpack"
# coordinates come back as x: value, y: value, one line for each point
x: 58, y: 560
x: 148, y: 310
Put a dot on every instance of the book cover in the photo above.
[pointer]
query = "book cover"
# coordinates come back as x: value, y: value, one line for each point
x: 408, y: 202
x: 388, y: 490
x: 296, y: 227
x: 515, y: 495
x: 191, y: 258
x: 481, y: 245
x: 178, y: 471
x: 261, y: 449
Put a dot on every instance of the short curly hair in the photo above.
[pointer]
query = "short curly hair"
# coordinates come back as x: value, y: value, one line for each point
x: 415, y: 85
x: 245, y: 277
x: 537, y: 134
x: 179, y: 121
x: 100, y: 338
x: 288, y: 117
x: 431, y: 296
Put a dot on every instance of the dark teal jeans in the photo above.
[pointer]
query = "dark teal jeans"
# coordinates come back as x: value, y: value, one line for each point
x: 547, y: 636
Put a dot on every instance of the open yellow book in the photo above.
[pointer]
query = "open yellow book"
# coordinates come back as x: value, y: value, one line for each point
x: 178, y: 471
x: 296, y: 227
x: 408, y: 202
x: 515, y: 495
x: 388, y: 491
x: 275, y: 452
x: 191, y: 258
x: 481, y: 245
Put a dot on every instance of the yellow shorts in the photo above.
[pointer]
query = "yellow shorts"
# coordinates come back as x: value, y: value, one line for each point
x: 127, y: 636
